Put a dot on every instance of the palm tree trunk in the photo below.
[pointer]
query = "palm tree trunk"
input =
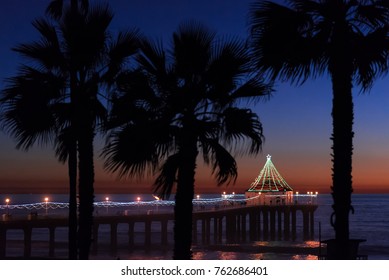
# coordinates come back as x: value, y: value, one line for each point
x: 342, y: 114
x: 72, y: 169
x: 183, y: 208
x: 86, y: 192
x: 86, y: 180
x: 341, y: 69
x: 72, y: 165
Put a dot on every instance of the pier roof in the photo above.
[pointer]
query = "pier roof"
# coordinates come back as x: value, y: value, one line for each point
x: 269, y: 180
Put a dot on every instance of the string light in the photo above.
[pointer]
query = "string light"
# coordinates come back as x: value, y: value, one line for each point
x: 46, y: 201
x: 234, y: 199
x: 7, y: 202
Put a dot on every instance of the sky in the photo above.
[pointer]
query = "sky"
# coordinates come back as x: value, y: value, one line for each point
x: 297, y: 120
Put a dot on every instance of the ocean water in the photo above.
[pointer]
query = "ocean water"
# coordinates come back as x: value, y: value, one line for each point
x: 370, y: 221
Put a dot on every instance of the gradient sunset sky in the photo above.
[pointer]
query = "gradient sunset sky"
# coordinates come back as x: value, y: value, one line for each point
x: 297, y: 120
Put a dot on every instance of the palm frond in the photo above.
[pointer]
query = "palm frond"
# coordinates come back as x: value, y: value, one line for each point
x: 30, y: 100
x: 371, y: 56
x: 125, y: 45
x: 192, y: 47
x: 28, y: 117
x: 47, y: 51
x: 373, y: 14
x: 86, y: 36
x: 240, y: 126
x: 63, y: 114
x: 130, y: 153
x: 223, y: 163
x: 54, y: 9
x: 254, y: 89
x: 167, y: 177
x: 136, y: 147
x: 152, y: 58
x: 231, y: 55
x: 100, y: 113
x: 282, y: 44
x: 229, y: 64
x: 63, y: 142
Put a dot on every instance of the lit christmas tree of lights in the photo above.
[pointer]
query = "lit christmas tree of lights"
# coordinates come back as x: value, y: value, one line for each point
x: 269, y: 180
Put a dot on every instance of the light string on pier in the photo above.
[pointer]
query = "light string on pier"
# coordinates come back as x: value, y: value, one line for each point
x: 231, y: 199
x: 36, y: 206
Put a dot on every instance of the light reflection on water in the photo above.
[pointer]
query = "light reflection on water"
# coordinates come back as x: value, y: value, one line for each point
x: 260, y: 250
x: 288, y: 244
x: 303, y: 257
x: 223, y: 255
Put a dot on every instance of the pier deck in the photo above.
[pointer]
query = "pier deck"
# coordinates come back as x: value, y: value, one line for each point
x: 210, y: 226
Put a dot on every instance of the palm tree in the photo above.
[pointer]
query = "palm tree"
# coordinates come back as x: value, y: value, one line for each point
x: 187, y: 107
x: 67, y: 147
x: 347, y: 39
x: 78, y: 51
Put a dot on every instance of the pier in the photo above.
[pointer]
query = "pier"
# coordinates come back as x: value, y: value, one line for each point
x: 219, y: 225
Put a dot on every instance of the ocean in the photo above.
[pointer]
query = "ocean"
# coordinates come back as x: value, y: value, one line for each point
x: 370, y: 222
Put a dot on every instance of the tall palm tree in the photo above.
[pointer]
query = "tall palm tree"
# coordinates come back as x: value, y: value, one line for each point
x: 348, y: 39
x: 25, y: 106
x: 188, y: 106
x: 67, y: 148
x: 33, y: 98
x: 78, y: 50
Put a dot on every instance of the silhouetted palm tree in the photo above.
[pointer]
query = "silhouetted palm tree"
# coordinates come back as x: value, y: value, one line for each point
x: 347, y: 39
x: 78, y: 51
x: 67, y: 148
x: 187, y: 107
x: 22, y: 112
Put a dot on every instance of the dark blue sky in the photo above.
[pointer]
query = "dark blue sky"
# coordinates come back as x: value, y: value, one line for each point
x: 297, y: 120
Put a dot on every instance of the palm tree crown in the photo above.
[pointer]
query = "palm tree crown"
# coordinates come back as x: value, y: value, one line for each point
x: 189, y: 106
x: 307, y: 38
x: 348, y: 39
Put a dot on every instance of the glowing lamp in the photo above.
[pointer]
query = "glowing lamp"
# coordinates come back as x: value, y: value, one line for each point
x: 7, y: 200
x: 46, y: 200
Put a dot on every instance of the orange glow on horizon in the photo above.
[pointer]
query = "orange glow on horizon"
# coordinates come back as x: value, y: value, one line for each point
x: 310, y: 174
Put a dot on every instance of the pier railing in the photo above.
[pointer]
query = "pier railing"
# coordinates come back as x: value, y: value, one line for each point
x: 224, y: 201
